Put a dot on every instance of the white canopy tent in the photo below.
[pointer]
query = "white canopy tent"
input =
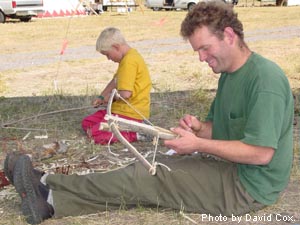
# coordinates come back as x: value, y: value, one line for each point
x: 54, y: 8
x: 293, y: 2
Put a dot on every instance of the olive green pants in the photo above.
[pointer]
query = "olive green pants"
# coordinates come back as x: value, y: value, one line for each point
x: 194, y: 184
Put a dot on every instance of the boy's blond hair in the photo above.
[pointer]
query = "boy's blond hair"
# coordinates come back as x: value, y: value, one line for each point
x: 108, y: 37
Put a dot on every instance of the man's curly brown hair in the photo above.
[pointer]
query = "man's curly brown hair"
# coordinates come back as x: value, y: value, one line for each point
x: 215, y: 15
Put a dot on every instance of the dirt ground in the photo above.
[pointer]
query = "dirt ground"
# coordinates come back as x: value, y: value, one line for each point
x: 36, y: 136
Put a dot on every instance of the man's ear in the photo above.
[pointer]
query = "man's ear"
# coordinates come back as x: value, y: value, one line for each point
x: 229, y: 35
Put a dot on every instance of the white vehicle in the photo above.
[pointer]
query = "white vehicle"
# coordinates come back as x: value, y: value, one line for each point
x: 103, y: 5
x: 20, y: 9
x: 157, y: 5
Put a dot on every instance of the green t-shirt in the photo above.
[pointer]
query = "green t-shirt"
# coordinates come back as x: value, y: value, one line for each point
x: 255, y: 105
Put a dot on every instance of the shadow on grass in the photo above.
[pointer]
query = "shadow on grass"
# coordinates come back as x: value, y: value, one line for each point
x: 166, y: 109
x: 20, y: 115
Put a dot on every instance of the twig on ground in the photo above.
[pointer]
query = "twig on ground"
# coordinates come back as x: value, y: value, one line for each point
x: 5, y: 125
x: 188, y: 218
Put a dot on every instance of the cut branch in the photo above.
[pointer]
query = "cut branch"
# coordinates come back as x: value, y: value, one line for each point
x: 134, y: 126
x: 116, y: 132
x: 44, y: 114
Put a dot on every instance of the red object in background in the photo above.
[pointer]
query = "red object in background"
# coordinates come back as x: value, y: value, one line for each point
x: 14, y: 4
x: 3, y: 180
x: 64, y: 46
x: 160, y: 22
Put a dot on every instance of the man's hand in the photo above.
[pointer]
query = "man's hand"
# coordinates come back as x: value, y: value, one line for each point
x: 190, y: 131
x: 199, y: 128
x: 190, y: 123
x: 185, y: 144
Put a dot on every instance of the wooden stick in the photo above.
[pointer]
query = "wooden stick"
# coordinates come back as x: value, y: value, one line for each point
x: 116, y: 132
x: 45, y: 114
x: 133, y: 150
x: 139, y: 127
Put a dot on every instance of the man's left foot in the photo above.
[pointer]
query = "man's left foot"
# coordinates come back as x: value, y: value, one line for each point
x: 9, y: 165
x: 32, y: 192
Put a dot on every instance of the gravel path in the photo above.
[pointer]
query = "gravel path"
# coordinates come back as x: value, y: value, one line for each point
x: 23, y: 60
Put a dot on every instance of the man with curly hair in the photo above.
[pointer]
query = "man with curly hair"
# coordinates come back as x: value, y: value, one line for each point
x: 249, y: 126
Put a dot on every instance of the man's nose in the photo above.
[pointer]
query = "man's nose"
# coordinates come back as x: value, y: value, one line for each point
x: 202, y: 55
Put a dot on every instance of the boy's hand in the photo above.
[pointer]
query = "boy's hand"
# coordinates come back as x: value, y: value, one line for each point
x: 97, y: 102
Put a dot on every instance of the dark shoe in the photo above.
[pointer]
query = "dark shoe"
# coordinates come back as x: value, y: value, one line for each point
x: 9, y: 165
x: 27, y: 183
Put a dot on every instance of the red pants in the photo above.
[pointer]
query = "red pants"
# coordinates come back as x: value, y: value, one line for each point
x: 91, y: 123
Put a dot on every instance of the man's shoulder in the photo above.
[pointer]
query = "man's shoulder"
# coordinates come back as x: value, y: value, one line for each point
x: 262, y: 62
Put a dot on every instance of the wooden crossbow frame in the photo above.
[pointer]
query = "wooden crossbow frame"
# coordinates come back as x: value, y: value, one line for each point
x: 115, y: 124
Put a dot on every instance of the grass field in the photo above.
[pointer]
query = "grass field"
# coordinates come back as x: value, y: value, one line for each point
x: 36, y: 79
